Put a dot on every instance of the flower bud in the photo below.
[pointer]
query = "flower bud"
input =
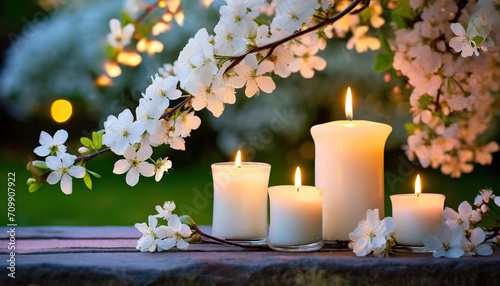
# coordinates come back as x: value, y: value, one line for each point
x: 30, y: 181
x: 387, y: 77
x: 485, y: 209
x: 83, y: 150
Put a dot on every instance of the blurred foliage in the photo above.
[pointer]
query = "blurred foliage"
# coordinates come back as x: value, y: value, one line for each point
x: 270, y: 128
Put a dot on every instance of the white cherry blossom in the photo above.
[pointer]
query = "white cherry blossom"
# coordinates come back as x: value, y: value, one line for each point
x: 148, y: 112
x: 446, y: 243
x: 120, y: 37
x: 162, y: 90
x: 162, y: 166
x: 166, y: 210
x: 179, y: 231
x: 463, y: 218
x: 152, y: 234
x: 186, y: 122
x: 121, y: 132
x: 252, y: 75
x: 62, y: 170
x: 134, y: 164
x: 280, y: 59
x: 306, y: 60
x: 210, y: 93
x: 484, y: 197
x: 52, y: 145
x: 475, y: 245
x: 371, y: 233
x: 462, y: 43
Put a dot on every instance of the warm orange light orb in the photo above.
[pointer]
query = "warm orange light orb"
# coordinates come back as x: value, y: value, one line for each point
x: 61, y: 110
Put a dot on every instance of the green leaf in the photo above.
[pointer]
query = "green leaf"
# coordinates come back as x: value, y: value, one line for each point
x: 94, y: 174
x: 40, y: 164
x: 87, y: 180
x: 383, y: 62
x: 97, y: 140
x: 126, y: 19
x: 399, y: 20
x: 478, y: 40
x: 404, y: 9
x: 34, y: 187
x: 185, y: 219
x: 448, y: 87
x: 385, y: 45
x: 410, y: 128
x: 87, y: 143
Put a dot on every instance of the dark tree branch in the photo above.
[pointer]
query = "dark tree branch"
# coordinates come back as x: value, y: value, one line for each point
x: 86, y: 158
x: 174, y: 109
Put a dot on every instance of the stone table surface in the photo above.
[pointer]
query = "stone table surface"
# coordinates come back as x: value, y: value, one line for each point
x: 62, y: 255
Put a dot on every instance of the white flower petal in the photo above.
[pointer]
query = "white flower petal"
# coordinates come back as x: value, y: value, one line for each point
x: 174, y: 222
x: 53, y: 162
x: 129, y: 153
x: 146, y: 169
x: 484, y: 249
x: 121, y: 166
x: 53, y: 178
x: 77, y: 171
x: 132, y: 176
x: 60, y: 137
x: 66, y: 184
x: 181, y: 244
x: 144, y: 153
x: 454, y: 252
x: 477, y: 236
x: 45, y: 139
x: 153, y: 221
x: 167, y: 243
x: 142, y: 227
x: 185, y: 231
x: 42, y: 151
x: 163, y: 232
x: 432, y: 243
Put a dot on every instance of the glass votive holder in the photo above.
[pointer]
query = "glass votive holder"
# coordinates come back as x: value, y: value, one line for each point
x: 296, y: 218
x: 240, y: 201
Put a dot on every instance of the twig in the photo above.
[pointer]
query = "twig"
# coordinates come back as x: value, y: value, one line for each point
x: 146, y: 12
x: 86, y: 158
x: 237, y: 59
x: 174, y: 109
x: 223, y: 241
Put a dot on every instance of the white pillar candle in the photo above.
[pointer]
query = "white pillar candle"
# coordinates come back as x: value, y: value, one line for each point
x: 349, y: 166
x: 296, y: 218
x: 240, y: 200
x: 416, y: 217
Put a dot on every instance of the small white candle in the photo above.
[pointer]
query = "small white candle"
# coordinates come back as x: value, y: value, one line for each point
x: 296, y: 217
x: 349, y: 165
x: 240, y: 200
x: 416, y: 216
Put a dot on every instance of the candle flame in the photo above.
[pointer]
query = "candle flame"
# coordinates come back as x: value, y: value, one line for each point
x: 348, y: 104
x: 237, y: 163
x: 298, y: 180
x: 418, y: 188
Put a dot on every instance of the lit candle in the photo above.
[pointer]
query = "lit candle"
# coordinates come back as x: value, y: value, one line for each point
x: 349, y: 165
x: 240, y: 200
x: 416, y: 216
x: 296, y: 217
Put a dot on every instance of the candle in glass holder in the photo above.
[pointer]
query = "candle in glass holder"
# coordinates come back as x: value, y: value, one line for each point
x: 296, y: 217
x: 240, y: 200
x: 416, y: 216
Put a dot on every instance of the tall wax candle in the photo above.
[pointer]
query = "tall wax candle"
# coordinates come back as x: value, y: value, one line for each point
x: 416, y: 216
x: 349, y: 166
x: 240, y: 200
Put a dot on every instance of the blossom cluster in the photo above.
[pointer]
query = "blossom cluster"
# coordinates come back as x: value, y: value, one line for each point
x: 451, y: 101
x: 156, y: 237
x: 373, y: 235
x: 200, y: 76
x: 460, y: 234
